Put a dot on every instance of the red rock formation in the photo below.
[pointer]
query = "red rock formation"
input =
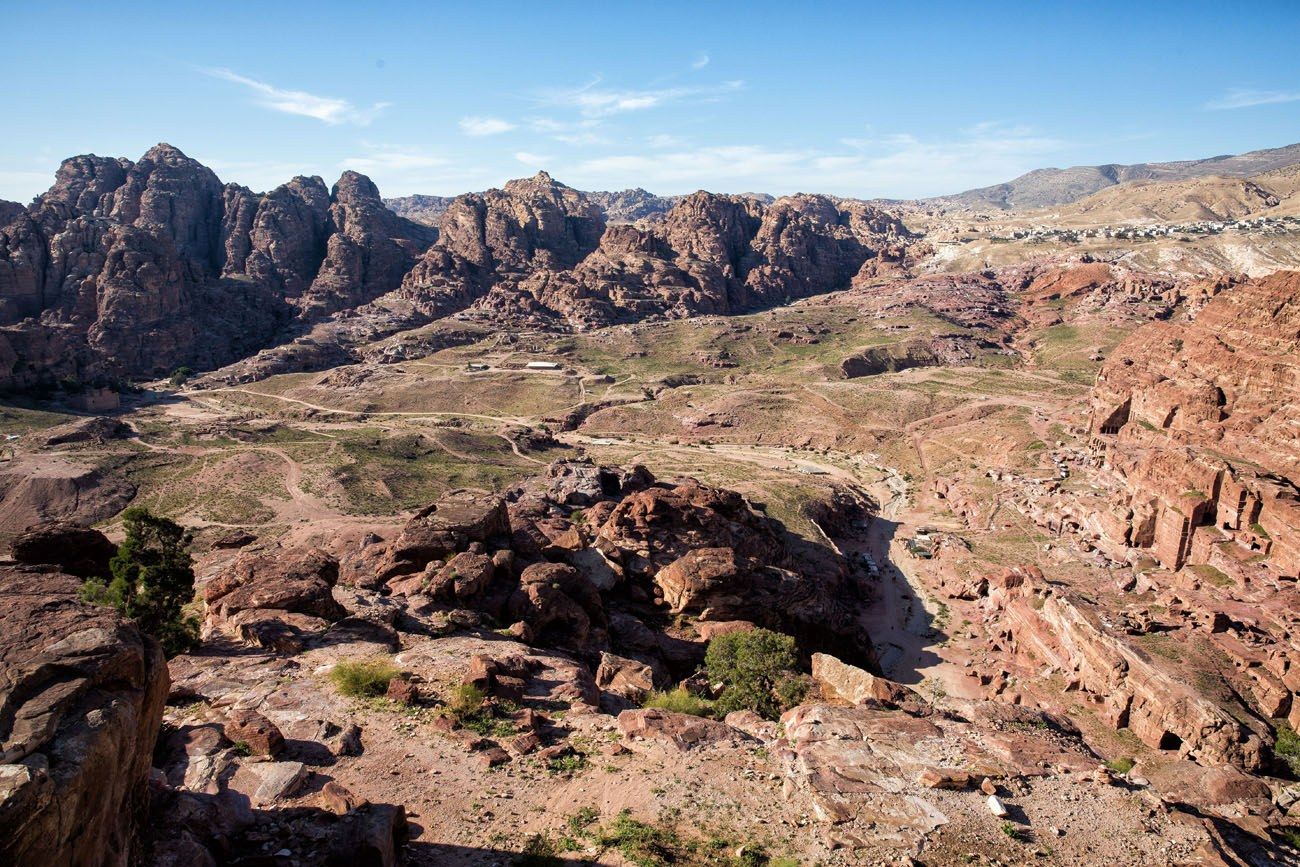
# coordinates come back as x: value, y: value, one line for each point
x: 541, y: 249
x: 1129, y: 687
x: 132, y: 269
x: 1199, y: 422
x: 81, y: 701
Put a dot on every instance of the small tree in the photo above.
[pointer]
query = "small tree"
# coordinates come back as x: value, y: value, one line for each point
x: 152, y: 580
x: 757, y: 671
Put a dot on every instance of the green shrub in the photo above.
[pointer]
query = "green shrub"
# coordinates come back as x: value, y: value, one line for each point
x: 466, y: 699
x: 792, y: 689
x: 659, y: 845
x: 580, y: 821
x: 1286, y: 747
x: 756, y: 669
x: 179, y: 376
x: 569, y: 763
x: 639, y: 842
x: 152, y: 580
x: 679, y: 700
x: 363, y: 678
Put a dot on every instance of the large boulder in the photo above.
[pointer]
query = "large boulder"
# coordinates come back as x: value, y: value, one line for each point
x: 559, y: 606
x: 856, y: 685
x: 81, y: 701
x: 298, y: 581
x: 700, y: 579
x: 678, y: 732
x: 445, y: 528
x: 71, y: 547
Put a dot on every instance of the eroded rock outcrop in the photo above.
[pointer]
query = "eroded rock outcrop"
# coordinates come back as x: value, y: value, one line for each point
x: 1128, y: 685
x: 81, y: 701
x: 579, y: 559
x: 1198, y: 421
x: 129, y: 269
x: 540, y: 250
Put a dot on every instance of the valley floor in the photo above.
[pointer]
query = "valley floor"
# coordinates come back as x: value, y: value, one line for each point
x: 756, y: 404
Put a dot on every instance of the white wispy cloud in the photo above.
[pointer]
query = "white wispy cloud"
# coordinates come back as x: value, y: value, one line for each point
x: 399, y: 169
x: 1244, y: 97
x: 391, y: 158
x: 258, y: 174
x: 664, y: 140
x: 331, y: 110
x: 531, y: 159
x: 895, y: 165
x: 23, y: 186
x: 701, y: 60
x: 578, y: 132
x: 481, y: 126
x: 594, y: 101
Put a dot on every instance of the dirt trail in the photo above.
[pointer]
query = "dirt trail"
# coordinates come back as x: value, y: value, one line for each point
x: 367, y: 413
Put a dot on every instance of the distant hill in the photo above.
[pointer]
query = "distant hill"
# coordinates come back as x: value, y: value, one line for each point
x: 1044, y: 188
x: 623, y: 206
x: 420, y: 208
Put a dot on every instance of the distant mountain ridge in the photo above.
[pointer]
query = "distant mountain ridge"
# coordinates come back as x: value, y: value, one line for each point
x: 1044, y: 188
x: 622, y: 206
x: 130, y: 269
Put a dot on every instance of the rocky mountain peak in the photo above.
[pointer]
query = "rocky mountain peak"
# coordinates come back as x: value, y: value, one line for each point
x: 83, y: 182
x: 544, y: 185
x: 354, y: 187
x: 167, y: 154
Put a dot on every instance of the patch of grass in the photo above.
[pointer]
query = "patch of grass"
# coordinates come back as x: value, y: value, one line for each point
x: 1258, y: 529
x: 569, y: 763
x: 580, y: 821
x: 641, y: 843
x: 1121, y: 766
x: 1162, y: 645
x: 1010, y: 829
x: 538, y: 851
x: 242, y: 748
x: 660, y: 844
x: 679, y: 700
x: 1211, y: 575
x: 470, y: 708
x: 363, y: 678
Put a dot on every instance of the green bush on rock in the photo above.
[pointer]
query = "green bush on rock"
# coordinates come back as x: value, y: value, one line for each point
x: 152, y: 580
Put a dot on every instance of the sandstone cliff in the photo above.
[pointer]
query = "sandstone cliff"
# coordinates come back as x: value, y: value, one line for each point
x: 541, y: 250
x: 1199, y: 420
x: 130, y: 269
x: 81, y: 701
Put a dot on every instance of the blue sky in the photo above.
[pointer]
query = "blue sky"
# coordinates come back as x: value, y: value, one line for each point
x: 862, y: 99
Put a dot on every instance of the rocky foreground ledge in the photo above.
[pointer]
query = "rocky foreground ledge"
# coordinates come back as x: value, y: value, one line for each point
x: 81, y: 701
x: 557, y: 608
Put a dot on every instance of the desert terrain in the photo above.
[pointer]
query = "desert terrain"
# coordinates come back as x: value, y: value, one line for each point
x: 1018, y: 483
